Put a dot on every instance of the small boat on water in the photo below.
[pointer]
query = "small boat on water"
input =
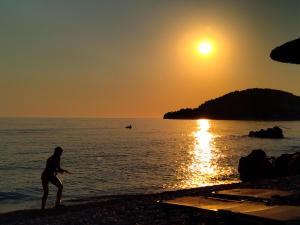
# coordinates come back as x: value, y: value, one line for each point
x: 129, y: 126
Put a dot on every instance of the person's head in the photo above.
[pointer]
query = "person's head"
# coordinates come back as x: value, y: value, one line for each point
x: 58, y: 151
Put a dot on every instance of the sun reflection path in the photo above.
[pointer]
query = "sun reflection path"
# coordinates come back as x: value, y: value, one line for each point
x: 200, y: 169
x: 205, y: 164
x: 201, y: 163
x: 203, y: 167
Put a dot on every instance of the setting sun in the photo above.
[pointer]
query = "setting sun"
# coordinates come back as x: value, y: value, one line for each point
x: 205, y: 48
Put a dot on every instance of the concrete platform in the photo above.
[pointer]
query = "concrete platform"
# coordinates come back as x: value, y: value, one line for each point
x: 257, y: 210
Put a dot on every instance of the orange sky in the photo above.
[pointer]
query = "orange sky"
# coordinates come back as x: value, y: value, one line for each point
x: 138, y: 58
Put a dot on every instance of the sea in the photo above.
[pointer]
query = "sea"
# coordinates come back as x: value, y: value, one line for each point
x: 106, y: 158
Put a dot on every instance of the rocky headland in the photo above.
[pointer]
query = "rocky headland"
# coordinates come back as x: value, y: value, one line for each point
x: 250, y: 104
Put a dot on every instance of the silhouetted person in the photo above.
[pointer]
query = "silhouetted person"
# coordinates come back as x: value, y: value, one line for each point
x: 49, y: 174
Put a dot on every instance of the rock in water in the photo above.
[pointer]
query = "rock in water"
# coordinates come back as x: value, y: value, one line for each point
x: 275, y: 132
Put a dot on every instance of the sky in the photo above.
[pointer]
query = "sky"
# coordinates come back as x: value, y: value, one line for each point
x: 137, y: 58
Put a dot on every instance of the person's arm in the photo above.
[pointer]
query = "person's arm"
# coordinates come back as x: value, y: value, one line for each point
x: 59, y: 169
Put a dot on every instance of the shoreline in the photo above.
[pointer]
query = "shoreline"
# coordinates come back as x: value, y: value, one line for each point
x: 131, y: 209
x: 98, y: 198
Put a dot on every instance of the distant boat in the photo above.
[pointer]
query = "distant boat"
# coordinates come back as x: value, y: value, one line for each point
x: 128, y: 127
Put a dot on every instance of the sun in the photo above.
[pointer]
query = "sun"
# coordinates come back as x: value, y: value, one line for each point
x: 205, y: 48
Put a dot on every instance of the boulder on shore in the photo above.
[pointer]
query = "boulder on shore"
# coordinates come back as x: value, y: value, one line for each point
x: 257, y: 166
x: 287, y: 164
x: 275, y: 132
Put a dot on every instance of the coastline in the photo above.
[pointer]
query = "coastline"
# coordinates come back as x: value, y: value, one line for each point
x: 134, y: 209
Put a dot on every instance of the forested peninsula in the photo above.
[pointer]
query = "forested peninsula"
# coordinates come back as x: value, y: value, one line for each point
x: 249, y: 104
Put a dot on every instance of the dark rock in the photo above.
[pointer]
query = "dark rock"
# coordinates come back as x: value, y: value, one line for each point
x: 255, y: 166
x: 281, y: 164
x: 258, y: 166
x: 287, y: 165
x: 275, y: 132
x: 294, y: 165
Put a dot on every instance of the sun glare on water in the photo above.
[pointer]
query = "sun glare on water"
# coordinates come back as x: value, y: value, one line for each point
x: 203, y: 167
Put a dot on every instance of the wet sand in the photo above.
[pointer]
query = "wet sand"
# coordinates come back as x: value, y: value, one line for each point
x: 141, y: 209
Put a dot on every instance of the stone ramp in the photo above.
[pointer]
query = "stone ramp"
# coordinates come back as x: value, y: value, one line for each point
x: 285, y: 213
x: 256, y: 210
x: 215, y: 204
x: 256, y: 193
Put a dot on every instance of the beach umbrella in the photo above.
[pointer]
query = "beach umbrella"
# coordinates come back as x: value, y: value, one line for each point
x: 288, y: 52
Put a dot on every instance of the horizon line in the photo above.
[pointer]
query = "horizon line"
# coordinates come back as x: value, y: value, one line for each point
x: 75, y: 117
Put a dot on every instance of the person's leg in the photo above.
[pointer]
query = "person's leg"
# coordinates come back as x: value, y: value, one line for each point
x: 59, y: 185
x: 46, y: 190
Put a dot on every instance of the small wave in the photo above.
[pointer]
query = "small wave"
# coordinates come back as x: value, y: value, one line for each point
x: 294, y: 147
x: 24, y: 131
x: 233, y: 137
x: 13, y: 196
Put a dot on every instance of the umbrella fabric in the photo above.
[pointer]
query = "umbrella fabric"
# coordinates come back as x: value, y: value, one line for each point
x: 288, y: 52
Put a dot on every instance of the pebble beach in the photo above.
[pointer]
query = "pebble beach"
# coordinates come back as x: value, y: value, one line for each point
x: 142, y: 209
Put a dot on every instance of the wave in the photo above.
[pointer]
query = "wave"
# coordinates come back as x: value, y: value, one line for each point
x: 4, y: 196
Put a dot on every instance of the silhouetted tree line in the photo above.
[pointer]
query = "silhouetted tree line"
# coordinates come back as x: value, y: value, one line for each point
x: 250, y: 104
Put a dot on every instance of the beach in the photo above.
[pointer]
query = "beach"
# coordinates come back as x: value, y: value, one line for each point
x: 134, y: 112
x: 120, y: 176
x: 106, y: 159
x: 143, y: 209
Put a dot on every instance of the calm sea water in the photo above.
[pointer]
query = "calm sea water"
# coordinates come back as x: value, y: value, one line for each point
x: 107, y: 159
